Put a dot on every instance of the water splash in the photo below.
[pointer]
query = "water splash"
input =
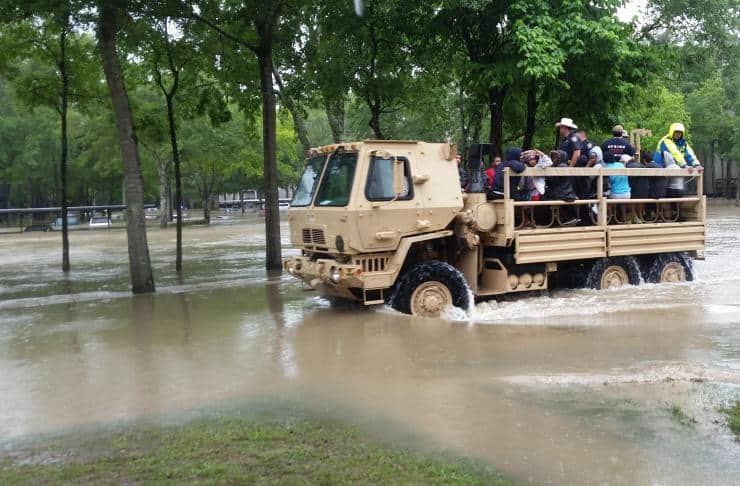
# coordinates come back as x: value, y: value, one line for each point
x: 668, y: 373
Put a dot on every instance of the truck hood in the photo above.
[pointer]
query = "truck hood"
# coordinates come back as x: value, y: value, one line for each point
x: 318, y: 230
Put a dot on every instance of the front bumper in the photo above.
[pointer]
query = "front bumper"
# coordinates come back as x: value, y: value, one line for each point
x: 326, y: 275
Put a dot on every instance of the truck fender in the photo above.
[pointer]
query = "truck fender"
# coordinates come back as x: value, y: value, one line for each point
x: 406, y: 243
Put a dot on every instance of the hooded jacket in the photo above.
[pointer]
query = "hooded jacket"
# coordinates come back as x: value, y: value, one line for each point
x: 560, y: 188
x: 511, y: 161
x: 639, y: 186
x: 681, y: 151
x: 593, y: 185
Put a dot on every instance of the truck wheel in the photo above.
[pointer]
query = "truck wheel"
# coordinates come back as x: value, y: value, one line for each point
x: 669, y: 267
x: 610, y: 273
x: 428, y: 288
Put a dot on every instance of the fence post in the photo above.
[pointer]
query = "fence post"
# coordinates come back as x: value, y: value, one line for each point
x: 602, y: 199
x: 507, y: 188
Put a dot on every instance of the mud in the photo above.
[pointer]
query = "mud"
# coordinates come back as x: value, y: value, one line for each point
x: 571, y: 388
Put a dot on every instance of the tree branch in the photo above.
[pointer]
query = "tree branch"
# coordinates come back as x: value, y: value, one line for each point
x: 231, y: 37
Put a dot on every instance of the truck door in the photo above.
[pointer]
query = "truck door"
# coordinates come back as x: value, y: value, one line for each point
x: 384, y: 217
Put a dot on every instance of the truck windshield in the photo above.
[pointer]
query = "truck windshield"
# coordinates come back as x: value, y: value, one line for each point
x: 336, y: 185
x: 307, y: 185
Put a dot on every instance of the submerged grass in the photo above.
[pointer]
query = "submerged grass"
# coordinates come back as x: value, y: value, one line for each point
x: 681, y: 417
x: 234, y: 450
x: 733, y: 418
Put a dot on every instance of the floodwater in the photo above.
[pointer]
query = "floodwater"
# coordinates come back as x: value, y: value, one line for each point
x: 571, y: 388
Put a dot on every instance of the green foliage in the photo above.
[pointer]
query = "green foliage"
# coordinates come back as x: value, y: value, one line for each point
x: 412, y: 70
x: 29, y: 150
x: 733, y: 417
x: 654, y: 107
x: 715, y: 122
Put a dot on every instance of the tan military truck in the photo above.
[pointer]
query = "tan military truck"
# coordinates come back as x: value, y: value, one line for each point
x: 388, y: 222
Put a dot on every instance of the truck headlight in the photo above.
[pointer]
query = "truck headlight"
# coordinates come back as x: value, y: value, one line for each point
x: 335, y: 276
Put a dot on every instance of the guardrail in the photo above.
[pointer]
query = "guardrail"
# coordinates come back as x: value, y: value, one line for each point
x: 57, y: 209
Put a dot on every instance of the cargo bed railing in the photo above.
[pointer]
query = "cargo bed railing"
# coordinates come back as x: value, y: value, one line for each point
x: 603, y: 210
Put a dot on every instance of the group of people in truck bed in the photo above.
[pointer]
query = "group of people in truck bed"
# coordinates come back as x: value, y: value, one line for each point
x: 576, y: 150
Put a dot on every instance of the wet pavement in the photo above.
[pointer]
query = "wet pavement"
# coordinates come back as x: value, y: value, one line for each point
x: 574, y: 387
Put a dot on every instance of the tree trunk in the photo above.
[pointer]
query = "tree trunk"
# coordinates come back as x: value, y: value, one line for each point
x: 531, y: 124
x: 374, y: 122
x: 241, y: 200
x: 464, y: 122
x: 707, y: 174
x: 728, y: 195
x: 722, y: 172
x: 273, y: 260
x: 295, y: 112
x: 169, y: 201
x: 63, y: 161
x: 298, y: 124
x: 163, y: 201
x: 335, y: 114
x: 142, y: 280
x: 178, y: 181
x: 206, y: 205
x: 496, y: 98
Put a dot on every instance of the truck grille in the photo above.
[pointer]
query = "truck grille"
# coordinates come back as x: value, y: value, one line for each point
x: 314, y: 236
x: 375, y: 264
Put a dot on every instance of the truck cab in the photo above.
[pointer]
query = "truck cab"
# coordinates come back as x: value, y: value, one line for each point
x: 388, y: 222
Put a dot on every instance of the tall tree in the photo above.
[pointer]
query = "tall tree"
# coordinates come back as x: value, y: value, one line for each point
x: 142, y: 279
x: 519, y: 46
x: 64, y: 28
x: 256, y: 26
x: 42, y: 32
x: 168, y: 58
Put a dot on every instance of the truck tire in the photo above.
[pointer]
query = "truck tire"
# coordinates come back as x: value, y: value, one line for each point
x: 669, y: 267
x: 613, y: 272
x: 428, y: 288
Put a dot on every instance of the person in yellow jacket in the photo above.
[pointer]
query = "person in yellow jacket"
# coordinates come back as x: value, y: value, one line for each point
x: 676, y: 145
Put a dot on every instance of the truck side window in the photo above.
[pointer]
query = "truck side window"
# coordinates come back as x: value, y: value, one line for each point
x: 379, y: 185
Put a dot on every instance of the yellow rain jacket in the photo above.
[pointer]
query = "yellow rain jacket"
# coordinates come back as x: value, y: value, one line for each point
x: 681, y: 151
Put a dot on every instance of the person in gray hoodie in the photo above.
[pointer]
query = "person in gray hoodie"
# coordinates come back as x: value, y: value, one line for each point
x: 596, y: 161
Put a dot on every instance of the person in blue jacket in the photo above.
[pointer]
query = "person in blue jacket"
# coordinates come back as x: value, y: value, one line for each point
x: 511, y: 161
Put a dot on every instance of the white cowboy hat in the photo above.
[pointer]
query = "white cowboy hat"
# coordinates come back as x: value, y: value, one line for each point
x: 566, y: 122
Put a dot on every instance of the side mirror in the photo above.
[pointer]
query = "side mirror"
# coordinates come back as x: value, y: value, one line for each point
x: 398, y: 177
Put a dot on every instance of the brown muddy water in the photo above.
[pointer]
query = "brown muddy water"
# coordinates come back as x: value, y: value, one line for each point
x: 571, y: 388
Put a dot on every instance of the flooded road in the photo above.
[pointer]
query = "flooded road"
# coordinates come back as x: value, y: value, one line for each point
x: 576, y: 387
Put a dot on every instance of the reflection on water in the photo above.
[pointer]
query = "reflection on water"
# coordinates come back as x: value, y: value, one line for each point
x: 568, y: 388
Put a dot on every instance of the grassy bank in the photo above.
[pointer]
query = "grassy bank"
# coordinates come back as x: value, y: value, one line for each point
x: 233, y: 450
x: 733, y: 418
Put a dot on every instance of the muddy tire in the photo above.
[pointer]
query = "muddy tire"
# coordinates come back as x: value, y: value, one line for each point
x: 427, y: 288
x: 613, y: 272
x: 669, y: 267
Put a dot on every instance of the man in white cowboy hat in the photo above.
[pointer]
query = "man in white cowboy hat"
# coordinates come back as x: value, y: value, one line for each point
x: 571, y: 143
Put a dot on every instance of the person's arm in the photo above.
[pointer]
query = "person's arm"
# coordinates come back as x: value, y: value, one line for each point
x: 691, y: 159
x: 630, y: 150
x: 544, y: 161
x: 574, y: 159
x: 658, y: 155
x: 577, y: 146
x: 517, y: 166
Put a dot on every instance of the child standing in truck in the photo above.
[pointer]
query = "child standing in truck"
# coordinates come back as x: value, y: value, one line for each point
x: 491, y: 170
x: 620, y: 186
x: 620, y: 183
x: 536, y: 185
